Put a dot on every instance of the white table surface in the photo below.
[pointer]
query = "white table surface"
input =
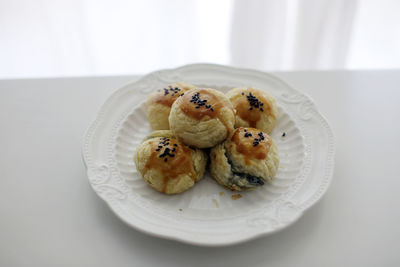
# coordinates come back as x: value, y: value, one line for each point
x: 50, y: 215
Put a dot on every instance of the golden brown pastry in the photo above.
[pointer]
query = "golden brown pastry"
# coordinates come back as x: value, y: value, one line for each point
x: 247, y: 159
x: 168, y: 165
x: 159, y: 104
x: 202, y: 118
x: 254, y: 108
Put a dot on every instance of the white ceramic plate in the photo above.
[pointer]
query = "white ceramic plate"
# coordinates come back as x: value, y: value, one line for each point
x: 206, y: 214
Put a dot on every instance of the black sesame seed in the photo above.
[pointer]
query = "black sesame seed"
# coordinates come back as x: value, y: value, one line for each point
x: 172, y: 155
x: 173, y: 150
x: 211, y: 109
x: 175, y: 145
x: 284, y: 134
x: 254, y: 102
x: 158, y: 149
x: 242, y: 93
x: 198, y: 101
x: 261, y: 109
x: 166, y: 159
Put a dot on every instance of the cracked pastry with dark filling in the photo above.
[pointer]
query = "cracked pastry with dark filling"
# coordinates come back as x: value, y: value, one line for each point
x: 254, y: 108
x: 168, y: 165
x: 246, y: 160
x: 202, y: 117
x: 158, y: 105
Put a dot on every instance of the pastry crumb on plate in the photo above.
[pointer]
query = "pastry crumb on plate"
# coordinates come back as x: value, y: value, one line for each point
x: 236, y: 196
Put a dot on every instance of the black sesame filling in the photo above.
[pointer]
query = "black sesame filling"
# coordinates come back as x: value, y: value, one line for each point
x: 237, y: 178
x: 254, y: 180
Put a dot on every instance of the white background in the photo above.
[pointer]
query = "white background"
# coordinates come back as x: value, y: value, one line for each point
x: 43, y: 38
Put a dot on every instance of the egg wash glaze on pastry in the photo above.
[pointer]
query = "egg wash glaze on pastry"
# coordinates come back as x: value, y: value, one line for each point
x: 171, y: 159
x: 168, y: 95
x: 249, y: 106
x: 201, y: 103
x: 255, y: 145
x: 158, y: 104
